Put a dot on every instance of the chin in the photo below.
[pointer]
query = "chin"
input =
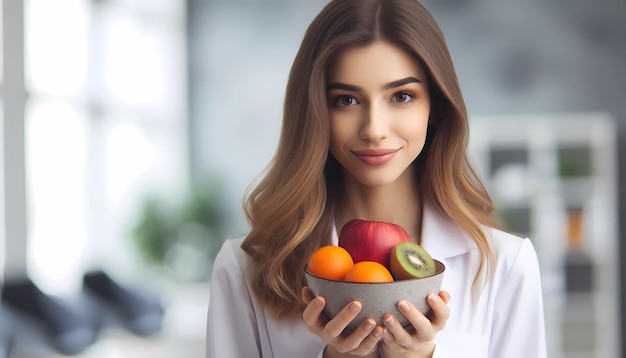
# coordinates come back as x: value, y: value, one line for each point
x: 375, y: 177
x: 377, y: 181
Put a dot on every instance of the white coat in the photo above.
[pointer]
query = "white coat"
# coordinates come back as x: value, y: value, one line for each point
x: 505, y: 319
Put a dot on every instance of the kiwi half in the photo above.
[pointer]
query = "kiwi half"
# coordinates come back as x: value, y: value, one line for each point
x: 409, y: 260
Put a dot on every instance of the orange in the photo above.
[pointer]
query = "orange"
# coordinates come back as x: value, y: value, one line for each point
x: 368, y: 271
x: 331, y: 262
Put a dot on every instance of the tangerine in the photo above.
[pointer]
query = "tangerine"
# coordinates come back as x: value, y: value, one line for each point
x: 368, y: 271
x: 331, y: 262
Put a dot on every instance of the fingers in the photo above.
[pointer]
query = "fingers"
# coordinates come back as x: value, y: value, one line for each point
x: 401, y: 339
x: 314, y: 317
x: 440, y: 309
x: 336, y: 325
x: 307, y: 295
x: 395, y: 336
x: 375, y: 334
x: 312, y: 314
x: 362, y: 341
x: 445, y: 296
x: 423, y: 329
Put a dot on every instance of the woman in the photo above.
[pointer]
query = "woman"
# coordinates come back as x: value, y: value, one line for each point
x: 374, y: 127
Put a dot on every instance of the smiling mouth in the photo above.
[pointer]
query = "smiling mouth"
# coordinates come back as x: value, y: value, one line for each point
x: 375, y: 157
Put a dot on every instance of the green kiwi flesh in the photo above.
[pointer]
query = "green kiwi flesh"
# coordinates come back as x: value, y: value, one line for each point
x: 409, y: 260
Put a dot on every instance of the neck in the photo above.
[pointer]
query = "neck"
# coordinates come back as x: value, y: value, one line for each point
x: 398, y: 202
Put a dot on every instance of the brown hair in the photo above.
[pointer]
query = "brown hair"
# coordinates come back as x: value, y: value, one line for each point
x: 291, y: 211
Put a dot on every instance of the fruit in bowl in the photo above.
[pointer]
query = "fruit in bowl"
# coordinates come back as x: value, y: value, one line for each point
x: 378, y: 298
x: 410, y: 274
x: 409, y: 260
x: 331, y: 262
x: 368, y: 240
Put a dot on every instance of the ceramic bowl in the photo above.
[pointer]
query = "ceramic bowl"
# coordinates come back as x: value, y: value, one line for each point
x: 376, y: 299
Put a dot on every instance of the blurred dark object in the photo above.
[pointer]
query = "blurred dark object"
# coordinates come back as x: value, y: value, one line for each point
x: 501, y: 157
x: 140, y: 313
x: 6, y: 336
x: 183, y: 236
x: 67, y: 328
x: 30, y: 317
x: 578, y: 272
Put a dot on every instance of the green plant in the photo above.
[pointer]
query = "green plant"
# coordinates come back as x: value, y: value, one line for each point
x: 183, y: 235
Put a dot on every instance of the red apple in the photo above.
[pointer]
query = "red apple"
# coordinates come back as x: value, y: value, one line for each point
x: 368, y: 240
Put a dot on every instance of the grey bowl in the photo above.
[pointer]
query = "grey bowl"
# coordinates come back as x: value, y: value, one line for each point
x: 376, y: 299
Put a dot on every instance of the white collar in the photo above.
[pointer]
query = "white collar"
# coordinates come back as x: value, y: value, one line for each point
x: 441, y: 236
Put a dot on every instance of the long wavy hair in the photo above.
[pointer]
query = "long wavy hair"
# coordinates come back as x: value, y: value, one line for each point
x: 291, y: 210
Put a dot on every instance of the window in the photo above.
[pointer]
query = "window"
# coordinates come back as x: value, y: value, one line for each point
x: 105, y: 126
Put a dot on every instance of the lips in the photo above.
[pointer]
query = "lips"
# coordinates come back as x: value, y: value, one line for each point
x: 375, y: 157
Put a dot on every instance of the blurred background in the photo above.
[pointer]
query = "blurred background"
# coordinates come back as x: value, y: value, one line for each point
x: 131, y: 129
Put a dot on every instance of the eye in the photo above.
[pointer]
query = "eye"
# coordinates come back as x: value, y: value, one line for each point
x: 345, y: 101
x: 402, y: 97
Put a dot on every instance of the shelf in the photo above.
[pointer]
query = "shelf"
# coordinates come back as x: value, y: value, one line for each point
x: 553, y: 179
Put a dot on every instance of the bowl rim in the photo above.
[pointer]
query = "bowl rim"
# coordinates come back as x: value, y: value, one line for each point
x: 439, y: 269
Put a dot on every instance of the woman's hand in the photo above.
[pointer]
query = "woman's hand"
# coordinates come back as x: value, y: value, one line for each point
x: 362, y: 342
x: 416, y: 341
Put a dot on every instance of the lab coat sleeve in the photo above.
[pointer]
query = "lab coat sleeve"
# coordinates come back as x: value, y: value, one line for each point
x: 321, y: 354
x: 519, y: 327
x: 231, y: 324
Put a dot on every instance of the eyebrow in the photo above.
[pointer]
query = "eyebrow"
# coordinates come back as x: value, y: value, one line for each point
x: 387, y: 86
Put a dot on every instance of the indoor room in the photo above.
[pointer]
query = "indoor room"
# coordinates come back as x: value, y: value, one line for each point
x: 132, y: 131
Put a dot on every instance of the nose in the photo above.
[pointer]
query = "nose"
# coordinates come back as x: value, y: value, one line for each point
x: 374, y: 126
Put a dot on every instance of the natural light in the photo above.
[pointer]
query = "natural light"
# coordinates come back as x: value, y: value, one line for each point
x: 56, y: 154
x: 105, y: 126
x: 56, y: 46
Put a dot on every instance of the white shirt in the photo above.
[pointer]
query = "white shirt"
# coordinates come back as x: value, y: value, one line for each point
x: 504, y: 320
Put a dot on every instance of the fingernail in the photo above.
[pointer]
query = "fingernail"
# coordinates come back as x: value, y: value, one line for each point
x: 432, y: 297
x: 389, y: 321
x: 354, y: 307
x: 318, y: 303
x: 403, y: 306
x: 368, y: 325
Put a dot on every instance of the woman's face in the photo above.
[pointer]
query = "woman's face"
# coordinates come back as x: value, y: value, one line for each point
x: 379, y: 106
